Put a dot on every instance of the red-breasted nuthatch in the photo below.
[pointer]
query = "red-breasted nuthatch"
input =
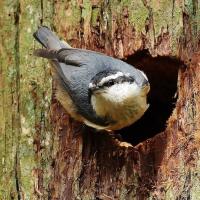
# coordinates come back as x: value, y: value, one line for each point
x: 101, y: 91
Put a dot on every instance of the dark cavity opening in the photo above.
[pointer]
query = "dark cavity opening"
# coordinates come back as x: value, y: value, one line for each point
x: 162, y: 72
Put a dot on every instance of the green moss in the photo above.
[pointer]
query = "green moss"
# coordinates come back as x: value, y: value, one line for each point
x: 7, y: 136
x: 14, y: 137
x: 35, y: 96
x: 95, y: 16
x: 67, y: 17
x: 195, y: 192
x: 138, y: 15
x: 86, y: 10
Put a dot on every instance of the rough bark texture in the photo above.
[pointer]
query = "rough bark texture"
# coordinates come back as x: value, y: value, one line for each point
x: 45, y: 154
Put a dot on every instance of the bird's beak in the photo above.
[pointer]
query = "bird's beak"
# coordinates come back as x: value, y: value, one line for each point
x: 95, y: 90
x: 146, y: 87
x: 101, y: 91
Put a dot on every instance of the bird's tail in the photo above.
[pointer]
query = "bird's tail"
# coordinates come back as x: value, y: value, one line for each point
x: 48, y: 39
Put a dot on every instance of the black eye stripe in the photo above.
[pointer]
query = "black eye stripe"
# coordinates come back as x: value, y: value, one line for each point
x: 97, y: 82
x: 109, y: 83
x: 120, y: 79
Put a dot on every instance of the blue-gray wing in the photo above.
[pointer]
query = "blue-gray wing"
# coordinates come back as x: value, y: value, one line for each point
x: 76, y: 68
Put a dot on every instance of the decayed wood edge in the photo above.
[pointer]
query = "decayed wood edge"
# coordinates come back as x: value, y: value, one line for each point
x: 153, y: 161
x: 155, y: 169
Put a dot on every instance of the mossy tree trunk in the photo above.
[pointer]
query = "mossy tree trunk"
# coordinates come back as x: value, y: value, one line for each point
x: 44, y: 154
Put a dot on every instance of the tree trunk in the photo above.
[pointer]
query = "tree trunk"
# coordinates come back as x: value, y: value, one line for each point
x: 47, y: 155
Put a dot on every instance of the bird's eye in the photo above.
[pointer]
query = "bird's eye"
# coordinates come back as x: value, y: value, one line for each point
x: 110, y: 82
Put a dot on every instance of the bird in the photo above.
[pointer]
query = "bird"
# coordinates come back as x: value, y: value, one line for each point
x: 98, y: 90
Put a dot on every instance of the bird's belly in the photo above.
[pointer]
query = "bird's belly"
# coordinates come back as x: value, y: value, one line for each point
x: 123, y: 114
x: 126, y: 117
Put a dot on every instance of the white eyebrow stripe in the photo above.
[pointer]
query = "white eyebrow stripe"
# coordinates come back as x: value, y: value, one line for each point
x: 111, y: 77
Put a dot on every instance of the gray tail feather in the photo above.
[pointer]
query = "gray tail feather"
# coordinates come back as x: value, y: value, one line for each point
x: 48, y: 39
x: 45, y: 53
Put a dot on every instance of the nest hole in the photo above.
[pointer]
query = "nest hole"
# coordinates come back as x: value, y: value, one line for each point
x: 162, y: 72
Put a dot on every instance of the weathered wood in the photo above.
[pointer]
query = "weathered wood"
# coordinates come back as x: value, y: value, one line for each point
x: 25, y: 137
x: 156, y: 168
x: 64, y: 161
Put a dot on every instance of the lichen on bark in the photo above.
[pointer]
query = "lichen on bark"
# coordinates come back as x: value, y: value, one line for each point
x: 39, y: 161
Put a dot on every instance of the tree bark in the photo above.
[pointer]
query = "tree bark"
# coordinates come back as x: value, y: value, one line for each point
x: 47, y: 155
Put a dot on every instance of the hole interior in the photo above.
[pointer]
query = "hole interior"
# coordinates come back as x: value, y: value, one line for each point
x: 162, y: 72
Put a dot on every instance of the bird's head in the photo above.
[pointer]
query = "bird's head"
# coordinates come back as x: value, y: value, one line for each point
x: 116, y: 86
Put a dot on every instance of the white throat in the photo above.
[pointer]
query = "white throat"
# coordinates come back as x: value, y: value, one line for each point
x: 124, y: 103
x: 121, y: 93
